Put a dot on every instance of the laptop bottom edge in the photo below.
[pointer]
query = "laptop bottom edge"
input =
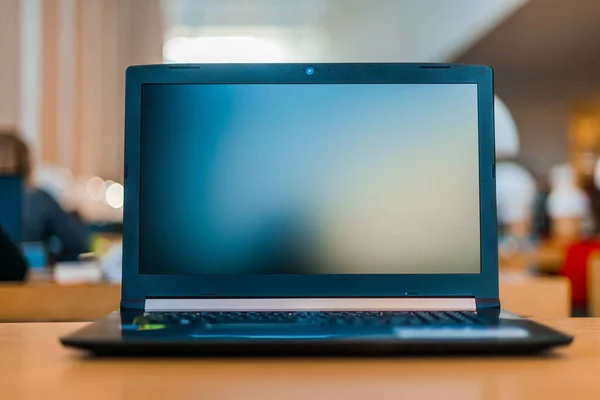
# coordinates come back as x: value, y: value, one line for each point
x: 141, y: 336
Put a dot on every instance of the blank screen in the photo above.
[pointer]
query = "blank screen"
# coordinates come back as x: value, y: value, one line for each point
x: 309, y: 179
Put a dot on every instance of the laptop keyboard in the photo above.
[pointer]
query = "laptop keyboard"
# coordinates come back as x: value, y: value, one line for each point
x: 365, y: 318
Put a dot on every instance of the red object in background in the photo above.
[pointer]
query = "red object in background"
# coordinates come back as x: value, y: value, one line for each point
x: 575, y: 269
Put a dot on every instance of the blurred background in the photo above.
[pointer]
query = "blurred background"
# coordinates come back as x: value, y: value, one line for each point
x: 62, y: 95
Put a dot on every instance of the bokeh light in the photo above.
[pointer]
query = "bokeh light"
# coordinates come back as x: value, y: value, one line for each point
x: 115, y: 195
x: 96, y: 188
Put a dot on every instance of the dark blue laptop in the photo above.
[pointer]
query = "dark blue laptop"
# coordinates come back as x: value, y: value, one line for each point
x: 310, y: 209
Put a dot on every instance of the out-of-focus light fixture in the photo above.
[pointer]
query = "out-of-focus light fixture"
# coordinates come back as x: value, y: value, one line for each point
x: 221, y: 49
x: 115, y: 195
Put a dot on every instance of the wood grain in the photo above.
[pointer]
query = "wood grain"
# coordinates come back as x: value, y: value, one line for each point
x: 33, y: 365
x: 52, y: 302
x: 536, y: 296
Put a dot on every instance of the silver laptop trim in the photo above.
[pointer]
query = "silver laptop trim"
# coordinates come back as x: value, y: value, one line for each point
x: 313, y: 304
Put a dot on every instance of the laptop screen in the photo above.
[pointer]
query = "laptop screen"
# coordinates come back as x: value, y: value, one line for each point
x: 309, y: 179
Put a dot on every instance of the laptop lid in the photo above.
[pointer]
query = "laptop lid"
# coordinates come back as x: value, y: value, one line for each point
x: 334, y: 181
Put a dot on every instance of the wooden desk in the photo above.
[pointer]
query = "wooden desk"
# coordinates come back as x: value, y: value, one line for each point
x: 33, y: 365
x: 52, y: 302
x: 535, y: 296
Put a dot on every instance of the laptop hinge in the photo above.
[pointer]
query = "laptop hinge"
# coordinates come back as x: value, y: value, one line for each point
x: 314, y: 304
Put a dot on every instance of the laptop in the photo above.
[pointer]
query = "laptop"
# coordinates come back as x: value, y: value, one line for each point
x: 310, y: 209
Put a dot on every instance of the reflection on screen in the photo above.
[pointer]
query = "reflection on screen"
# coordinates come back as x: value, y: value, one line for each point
x: 309, y: 179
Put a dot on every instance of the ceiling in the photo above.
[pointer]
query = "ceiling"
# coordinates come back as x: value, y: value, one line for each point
x: 545, y: 37
x: 356, y: 30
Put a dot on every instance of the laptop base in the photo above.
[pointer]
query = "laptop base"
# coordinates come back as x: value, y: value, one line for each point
x: 123, y: 335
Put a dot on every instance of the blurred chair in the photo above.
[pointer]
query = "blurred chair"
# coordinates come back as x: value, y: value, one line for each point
x: 576, y: 268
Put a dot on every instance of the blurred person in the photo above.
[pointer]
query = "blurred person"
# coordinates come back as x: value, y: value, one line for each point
x: 592, y: 225
x: 561, y: 174
x: 592, y: 187
x: 43, y: 218
x: 13, y: 266
x: 515, y: 192
x: 541, y: 219
x: 515, y: 187
x: 568, y: 205
x: 57, y: 181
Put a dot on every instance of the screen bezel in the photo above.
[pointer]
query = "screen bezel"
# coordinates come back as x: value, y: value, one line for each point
x: 137, y: 286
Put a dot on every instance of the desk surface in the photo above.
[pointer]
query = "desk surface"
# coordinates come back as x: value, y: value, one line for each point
x: 547, y: 297
x: 52, y: 302
x: 34, y: 365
